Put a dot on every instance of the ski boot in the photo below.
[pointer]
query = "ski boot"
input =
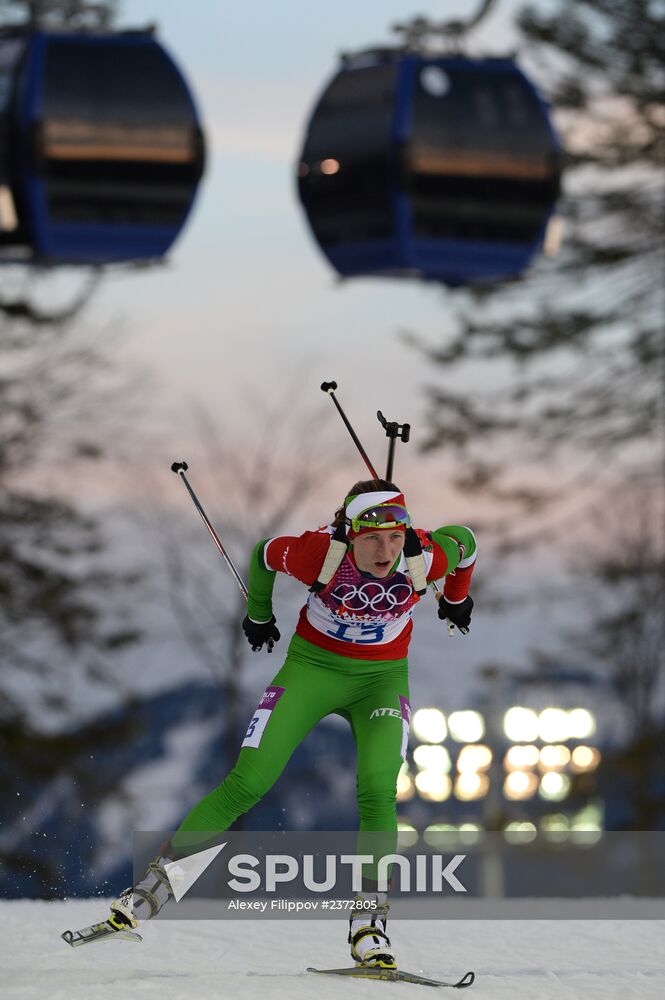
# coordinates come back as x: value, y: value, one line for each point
x: 145, y: 899
x: 370, y: 945
x: 139, y: 902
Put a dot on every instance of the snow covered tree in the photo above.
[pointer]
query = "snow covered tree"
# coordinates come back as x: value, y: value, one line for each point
x: 91, y: 14
x: 550, y: 391
x: 65, y: 605
x: 554, y: 384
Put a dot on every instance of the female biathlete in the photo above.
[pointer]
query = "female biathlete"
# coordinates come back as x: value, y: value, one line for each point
x: 348, y: 656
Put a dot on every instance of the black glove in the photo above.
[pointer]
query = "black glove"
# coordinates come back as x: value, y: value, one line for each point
x: 458, y: 614
x: 259, y: 632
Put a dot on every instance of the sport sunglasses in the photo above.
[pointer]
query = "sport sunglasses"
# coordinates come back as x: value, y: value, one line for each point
x: 385, y: 516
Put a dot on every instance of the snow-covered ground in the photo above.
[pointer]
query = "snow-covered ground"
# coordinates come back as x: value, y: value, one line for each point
x: 266, y: 959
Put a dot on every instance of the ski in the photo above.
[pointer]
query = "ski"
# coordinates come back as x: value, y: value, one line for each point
x: 396, y: 976
x: 103, y: 931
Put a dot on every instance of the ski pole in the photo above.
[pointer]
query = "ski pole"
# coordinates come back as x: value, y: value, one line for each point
x: 329, y: 387
x: 180, y: 468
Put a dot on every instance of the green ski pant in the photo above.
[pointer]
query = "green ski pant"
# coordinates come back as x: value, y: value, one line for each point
x: 372, y: 695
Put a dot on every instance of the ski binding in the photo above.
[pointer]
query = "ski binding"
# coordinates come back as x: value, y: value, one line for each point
x: 103, y: 931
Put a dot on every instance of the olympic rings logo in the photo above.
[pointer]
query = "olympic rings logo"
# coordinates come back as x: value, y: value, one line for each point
x: 361, y: 598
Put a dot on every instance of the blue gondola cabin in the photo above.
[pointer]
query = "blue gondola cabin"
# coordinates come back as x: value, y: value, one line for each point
x: 444, y: 168
x: 101, y: 149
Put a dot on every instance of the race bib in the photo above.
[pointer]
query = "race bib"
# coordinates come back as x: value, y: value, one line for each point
x: 261, y: 716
